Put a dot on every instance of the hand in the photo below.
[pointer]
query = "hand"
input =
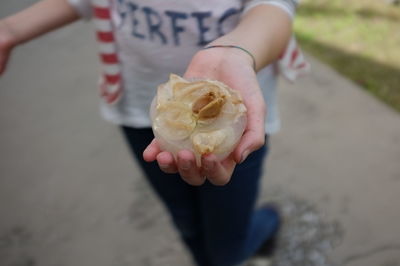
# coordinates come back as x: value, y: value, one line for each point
x: 7, y: 43
x: 234, y: 68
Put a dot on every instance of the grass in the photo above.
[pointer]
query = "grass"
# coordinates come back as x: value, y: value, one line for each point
x: 359, y: 38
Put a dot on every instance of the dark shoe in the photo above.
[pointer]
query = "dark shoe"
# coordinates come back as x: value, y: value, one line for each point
x: 264, y: 254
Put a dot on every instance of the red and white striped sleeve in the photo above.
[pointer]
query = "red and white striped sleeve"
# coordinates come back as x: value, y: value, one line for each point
x: 100, y: 12
x: 111, y: 82
x: 292, y: 64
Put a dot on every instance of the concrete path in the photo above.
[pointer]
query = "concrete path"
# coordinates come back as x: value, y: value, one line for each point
x: 70, y: 195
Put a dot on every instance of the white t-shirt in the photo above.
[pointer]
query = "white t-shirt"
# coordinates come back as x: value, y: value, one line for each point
x: 159, y: 37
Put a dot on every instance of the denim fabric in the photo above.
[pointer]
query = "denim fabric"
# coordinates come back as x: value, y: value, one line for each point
x: 218, y: 224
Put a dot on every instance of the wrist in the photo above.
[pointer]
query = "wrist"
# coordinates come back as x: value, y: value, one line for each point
x: 209, y: 62
x: 8, y: 37
x: 240, y: 46
x: 227, y: 46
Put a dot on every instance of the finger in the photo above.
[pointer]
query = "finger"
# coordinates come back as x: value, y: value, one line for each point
x: 251, y: 141
x: 254, y: 135
x: 3, y: 63
x: 218, y: 173
x: 188, y: 169
x: 166, y: 162
x: 151, y: 151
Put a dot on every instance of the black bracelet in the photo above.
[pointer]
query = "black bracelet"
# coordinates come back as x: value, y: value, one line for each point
x: 234, y: 46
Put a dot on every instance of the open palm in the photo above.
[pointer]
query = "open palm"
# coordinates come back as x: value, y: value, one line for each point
x: 234, y: 68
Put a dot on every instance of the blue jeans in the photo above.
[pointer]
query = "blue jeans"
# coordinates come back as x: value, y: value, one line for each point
x: 217, y: 223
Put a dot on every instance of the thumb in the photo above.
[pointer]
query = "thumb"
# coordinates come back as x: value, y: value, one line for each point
x: 3, y: 61
x: 7, y: 43
x: 254, y: 135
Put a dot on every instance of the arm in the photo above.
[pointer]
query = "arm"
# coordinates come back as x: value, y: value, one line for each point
x: 264, y: 30
x: 32, y: 22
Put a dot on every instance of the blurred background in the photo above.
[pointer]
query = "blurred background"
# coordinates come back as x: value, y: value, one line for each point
x: 359, y: 38
x: 70, y: 195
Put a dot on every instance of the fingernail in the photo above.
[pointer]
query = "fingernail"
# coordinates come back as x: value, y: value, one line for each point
x: 164, y: 166
x: 244, y: 156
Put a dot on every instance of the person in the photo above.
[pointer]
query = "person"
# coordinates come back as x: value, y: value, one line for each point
x: 212, y: 206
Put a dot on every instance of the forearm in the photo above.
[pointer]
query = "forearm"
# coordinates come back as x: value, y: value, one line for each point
x: 264, y: 31
x: 39, y: 19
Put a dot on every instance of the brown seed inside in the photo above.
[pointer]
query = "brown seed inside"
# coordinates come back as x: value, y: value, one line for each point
x: 212, y: 109
x: 203, y: 101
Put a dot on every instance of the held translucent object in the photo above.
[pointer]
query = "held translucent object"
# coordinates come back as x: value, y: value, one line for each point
x: 203, y: 116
